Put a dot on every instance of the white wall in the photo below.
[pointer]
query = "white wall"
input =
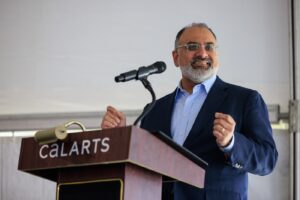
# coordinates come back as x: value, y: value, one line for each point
x: 17, y: 185
x: 62, y: 55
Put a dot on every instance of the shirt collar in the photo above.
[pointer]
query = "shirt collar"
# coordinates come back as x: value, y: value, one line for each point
x: 208, y: 83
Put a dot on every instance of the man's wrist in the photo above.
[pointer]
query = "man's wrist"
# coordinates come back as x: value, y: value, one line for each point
x: 228, y: 147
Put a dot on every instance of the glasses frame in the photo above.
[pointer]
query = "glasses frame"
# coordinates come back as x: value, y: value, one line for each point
x: 209, y: 46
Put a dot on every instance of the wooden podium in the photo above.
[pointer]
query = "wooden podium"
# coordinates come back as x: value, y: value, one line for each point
x: 126, y: 163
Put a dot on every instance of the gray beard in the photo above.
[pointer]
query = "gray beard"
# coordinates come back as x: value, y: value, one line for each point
x: 198, y: 75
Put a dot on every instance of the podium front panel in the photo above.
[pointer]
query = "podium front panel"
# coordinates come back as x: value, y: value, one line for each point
x: 91, y: 190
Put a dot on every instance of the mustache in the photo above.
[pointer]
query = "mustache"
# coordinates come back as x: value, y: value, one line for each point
x: 199, y: 58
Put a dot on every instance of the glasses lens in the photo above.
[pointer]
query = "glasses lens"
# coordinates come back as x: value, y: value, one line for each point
x: 209, y: 47
x: 192, y: 46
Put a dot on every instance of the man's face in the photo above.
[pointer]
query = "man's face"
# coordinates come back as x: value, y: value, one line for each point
x: 196, y: 55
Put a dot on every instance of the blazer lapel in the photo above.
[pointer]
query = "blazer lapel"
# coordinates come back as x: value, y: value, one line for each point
x: 166, y: 116
x: 211, y: 105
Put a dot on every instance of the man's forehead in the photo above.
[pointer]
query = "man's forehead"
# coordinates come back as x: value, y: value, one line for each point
x: 197, y: 34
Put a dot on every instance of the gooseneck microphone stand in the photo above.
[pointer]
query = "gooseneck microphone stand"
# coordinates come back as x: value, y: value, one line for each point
x: 147, y: 109
x: 141, y: 74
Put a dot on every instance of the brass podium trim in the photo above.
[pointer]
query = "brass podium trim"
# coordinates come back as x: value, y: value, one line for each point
x: 94, y: 181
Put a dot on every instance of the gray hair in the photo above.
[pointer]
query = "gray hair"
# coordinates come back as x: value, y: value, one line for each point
x: 200, y: 25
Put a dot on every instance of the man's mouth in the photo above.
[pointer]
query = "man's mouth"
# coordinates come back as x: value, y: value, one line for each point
x: 201, y: 63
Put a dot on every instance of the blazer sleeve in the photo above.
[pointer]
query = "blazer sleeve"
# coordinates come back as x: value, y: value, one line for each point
x: 254, y: 148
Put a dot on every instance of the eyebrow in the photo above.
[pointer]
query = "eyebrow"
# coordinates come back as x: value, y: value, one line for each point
x: 191, y: 42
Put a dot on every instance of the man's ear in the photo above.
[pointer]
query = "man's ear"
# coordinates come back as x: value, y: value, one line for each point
x: 175, y: 57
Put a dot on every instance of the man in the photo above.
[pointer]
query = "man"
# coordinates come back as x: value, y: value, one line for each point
x: 224, y: 124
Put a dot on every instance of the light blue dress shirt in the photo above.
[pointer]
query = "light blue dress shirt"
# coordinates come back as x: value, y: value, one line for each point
x: 186, y: 109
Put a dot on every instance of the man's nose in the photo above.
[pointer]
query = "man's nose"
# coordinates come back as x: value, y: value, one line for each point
x: 202, y: 52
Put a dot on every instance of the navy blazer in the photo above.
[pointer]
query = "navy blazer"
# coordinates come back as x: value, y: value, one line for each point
x: 254, y: 149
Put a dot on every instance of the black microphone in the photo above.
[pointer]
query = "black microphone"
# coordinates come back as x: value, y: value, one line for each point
x: 142, y: 72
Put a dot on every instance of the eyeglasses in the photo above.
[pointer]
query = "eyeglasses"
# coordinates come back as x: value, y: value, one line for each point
x: 193, y: 46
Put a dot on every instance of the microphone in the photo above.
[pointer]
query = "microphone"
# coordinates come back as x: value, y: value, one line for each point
x: 142, y: 72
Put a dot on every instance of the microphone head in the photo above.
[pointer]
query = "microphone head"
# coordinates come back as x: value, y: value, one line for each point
x: 161, y: 66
